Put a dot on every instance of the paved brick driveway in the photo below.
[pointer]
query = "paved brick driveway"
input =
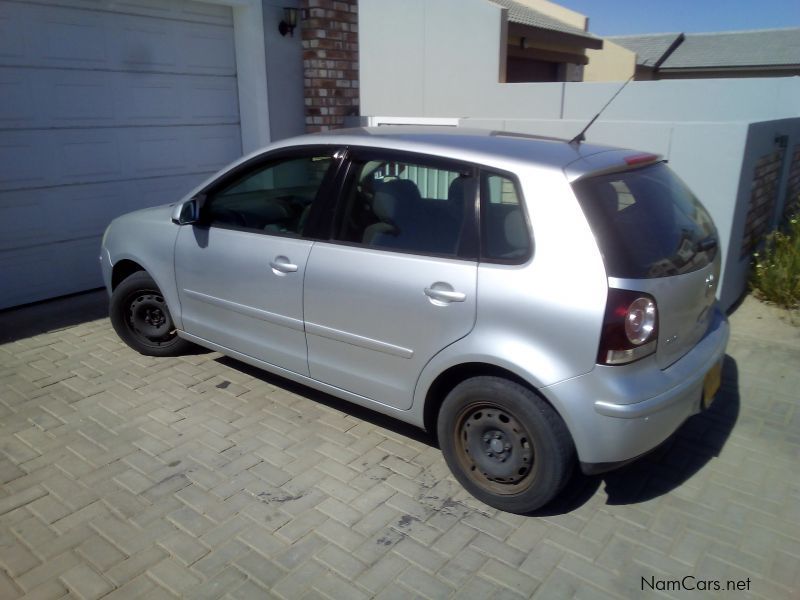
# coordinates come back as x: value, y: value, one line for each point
x: 124, y: 476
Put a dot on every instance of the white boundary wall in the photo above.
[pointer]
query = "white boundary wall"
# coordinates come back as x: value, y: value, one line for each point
x: 422, y: 62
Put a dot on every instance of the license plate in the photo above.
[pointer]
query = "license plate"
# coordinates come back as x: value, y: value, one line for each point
x: 711, y: 384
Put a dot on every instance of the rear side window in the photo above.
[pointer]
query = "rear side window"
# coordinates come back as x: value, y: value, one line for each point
x: 406, y: 206
x: 504, y: 231
x: 647, y: 223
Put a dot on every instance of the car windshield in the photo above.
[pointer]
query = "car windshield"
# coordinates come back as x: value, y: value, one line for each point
x: 647, y: 223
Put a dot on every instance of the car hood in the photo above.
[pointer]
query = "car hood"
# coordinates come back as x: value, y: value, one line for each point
x: 159, y: 213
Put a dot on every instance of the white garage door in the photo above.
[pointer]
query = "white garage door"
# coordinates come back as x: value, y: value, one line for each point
x: 105, y: 107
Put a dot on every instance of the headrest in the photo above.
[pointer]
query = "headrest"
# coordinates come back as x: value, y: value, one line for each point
x: 395, y: 196
x: 515, y: 230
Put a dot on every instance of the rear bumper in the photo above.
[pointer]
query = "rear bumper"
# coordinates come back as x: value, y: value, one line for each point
x: 616, y: 414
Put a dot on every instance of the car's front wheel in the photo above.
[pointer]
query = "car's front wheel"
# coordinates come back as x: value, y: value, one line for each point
x: 504, y: 444
x: 141, y: 318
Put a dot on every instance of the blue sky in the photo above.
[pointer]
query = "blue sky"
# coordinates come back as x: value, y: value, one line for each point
x: 620, y: 17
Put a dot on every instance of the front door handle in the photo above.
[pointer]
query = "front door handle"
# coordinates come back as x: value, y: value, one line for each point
x: 281, y: 264
x: 445, y: 295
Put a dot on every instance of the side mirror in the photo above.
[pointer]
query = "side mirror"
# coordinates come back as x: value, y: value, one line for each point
x: 188, y: 212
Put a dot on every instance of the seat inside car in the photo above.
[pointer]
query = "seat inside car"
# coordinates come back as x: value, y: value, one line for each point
x: 401, y: 222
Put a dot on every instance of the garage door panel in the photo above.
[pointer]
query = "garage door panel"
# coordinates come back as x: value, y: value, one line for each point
x: 150, y: 99
x: 163, y: 9
x: 22, y: 155
x: 47, y: 98
x: 32, y: 159
x: 207, y: 49
x: 88, y: 156
x: 214, y: 148
x: 77, y: 96
x: 91, y: 208
x: 46, y: 216
x: 210, y: 100
x: 17, y: 107
x: 12, y: 37
x: 43, y: 272
x: 78, y: 39
x: 105, y: 108
x: 147, y: 44
x: 67, y: 38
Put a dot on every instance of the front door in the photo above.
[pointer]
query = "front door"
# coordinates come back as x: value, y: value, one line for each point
x: 397, y: 283
x: 240, y: 270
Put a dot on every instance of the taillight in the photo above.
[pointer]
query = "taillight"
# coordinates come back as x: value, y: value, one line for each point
x: 630, y: 327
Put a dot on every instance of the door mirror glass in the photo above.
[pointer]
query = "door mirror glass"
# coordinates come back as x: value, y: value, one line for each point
x: 188, y: 212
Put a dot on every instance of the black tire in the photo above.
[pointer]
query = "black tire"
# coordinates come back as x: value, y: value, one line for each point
x: 141, y: 318
x: 504, y: 444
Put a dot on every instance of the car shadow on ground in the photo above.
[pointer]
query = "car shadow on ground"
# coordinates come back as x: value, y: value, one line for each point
x: 699, y: 440
x: 51, y: 315
x: 689, y: 449
x: 359, y: 412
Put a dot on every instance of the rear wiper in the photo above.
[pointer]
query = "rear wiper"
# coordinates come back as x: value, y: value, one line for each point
x: 706, y: 244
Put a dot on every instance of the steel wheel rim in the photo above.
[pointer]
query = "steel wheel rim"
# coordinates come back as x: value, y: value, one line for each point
x: 147, y: 317
x: 494, y: 449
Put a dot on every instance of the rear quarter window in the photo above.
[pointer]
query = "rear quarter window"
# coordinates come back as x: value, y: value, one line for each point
x: 647, y: 223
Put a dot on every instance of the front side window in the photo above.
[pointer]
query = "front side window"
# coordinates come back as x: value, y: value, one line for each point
x: 406, y: 206
x: 273, y: 198
x: 504, y: 231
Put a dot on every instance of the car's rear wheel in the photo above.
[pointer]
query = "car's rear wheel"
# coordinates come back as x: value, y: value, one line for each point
x: 141, y: 318
x: 504, y: 444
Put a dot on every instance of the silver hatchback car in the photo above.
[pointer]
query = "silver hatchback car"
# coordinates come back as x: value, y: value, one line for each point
x: 531, y: 301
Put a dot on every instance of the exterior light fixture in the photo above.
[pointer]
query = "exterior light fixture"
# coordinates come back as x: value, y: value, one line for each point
x: 289, y: 21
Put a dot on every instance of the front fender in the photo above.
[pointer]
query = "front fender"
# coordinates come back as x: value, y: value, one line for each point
x: 148, y: 239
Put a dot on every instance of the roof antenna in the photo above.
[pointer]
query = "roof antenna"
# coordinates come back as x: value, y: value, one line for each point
x: 582, y: 135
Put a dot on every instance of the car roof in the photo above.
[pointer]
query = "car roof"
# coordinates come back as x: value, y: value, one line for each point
x: 474, y: 145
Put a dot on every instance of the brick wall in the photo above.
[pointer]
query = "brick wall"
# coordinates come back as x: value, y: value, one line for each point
x: 792, y: 204
x: 330, y: 62
x: 766, y: 180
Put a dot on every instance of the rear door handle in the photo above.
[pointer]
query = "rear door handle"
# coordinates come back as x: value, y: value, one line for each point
x: 445, y: 295
x: 281, y: 264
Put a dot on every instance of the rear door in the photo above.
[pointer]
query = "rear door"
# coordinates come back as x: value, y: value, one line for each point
x: 240, y: 270
x: 657, y: 238
x: 396, y: 282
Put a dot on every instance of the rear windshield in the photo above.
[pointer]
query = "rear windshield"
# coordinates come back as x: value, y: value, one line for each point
x: 647, y: 223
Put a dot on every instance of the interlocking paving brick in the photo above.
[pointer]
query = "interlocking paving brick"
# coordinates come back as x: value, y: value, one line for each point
x: 199, y: 477
x: 85, y: 582
x: 333, y: 586
x: 424, y: 584
x: 9, y: 589
x: 51, y: 569
x: 135, y: 565
x: 184, y: 547
x: 22, y: 498
x: 139, y: 587
x: 263, y: 570
x: 340, y: 562
x: 247, y: 591
x: 382, y: 573
x: 100, y: 553
x: 298, y: 581
x: 299, y: 551
x: 16, y: 559
x: 173, y: 576
x: 219, y: 558
x: 49, y: 590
